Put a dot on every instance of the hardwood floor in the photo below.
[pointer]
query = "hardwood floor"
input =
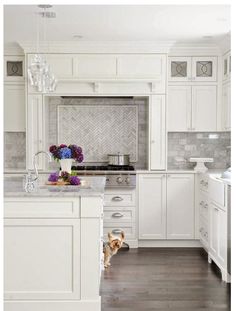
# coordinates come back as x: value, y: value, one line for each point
x: 163, y: 279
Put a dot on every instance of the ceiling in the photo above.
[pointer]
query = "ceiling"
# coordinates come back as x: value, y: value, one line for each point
x: 120, y: 23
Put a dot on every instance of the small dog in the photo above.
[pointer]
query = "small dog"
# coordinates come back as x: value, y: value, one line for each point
x: 111, y: 247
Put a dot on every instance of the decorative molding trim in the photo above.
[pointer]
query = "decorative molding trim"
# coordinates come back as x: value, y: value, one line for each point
x: 192, y: 49
x: 97, y: 47
x: 13, y: 49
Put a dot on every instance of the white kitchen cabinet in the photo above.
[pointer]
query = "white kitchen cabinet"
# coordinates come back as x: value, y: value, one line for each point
x: 52, y: 262
x: 179, y: 108
x: 14, y: 68
x: 180, y: 206
x: 204, y: 69
x: 192, y: 108
x: 62, y: 65
x: 204, y: 108
x: 226, y: 107
x: 152, y: 206
x: 218, y: 234
x: 180, y: 69
x: 193, y: 69
x: 35, y: 130
x: 95, y: 66
x: 142, y: 66
x: 157, y: 132
x: 42, y: 259
x: 14, y: 108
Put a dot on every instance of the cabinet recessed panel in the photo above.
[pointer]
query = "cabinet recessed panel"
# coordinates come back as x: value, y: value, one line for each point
x: 204, y: 68
x: 178, y: 69
x: 15, y: 69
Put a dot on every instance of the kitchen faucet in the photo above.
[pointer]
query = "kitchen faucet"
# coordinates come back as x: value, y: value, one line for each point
x: 30, y: 181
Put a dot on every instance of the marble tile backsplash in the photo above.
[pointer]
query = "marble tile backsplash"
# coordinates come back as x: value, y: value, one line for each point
x: 14, y: 150
x: 52, y: 122
x: 182, y: 146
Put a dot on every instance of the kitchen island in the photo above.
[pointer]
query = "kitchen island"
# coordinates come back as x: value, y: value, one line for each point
x: 52, y: 247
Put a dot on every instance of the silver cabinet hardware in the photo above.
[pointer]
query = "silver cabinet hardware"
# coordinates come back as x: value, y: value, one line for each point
x: 117, y: 215
x: 116, y: 231
x: 117, y: 199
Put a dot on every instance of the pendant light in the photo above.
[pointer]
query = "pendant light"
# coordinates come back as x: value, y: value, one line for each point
x: 39, y: 72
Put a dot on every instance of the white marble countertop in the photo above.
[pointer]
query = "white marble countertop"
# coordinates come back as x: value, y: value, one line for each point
x: 13, y: 187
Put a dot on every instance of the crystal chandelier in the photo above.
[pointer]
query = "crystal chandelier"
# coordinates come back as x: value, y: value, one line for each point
x: 39, y: 72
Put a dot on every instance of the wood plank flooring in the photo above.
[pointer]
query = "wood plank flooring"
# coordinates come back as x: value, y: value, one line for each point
x: 170, y: 279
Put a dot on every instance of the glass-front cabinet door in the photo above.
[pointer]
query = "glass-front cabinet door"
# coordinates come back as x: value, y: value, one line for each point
x: 204, y: 69
x: 179, y: 69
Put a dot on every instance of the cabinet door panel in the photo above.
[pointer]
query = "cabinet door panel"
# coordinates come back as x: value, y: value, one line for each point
x: 204, y: 108
x: 157, y: 133
x: 180, y: 206
x: 62, y: 66
x: 152, y: 206
x: 42, y: 259
x: 14, y: 108
x: 226, y: 109
x: 35, y: 130
x: 204, y: 69
x: 222, y: 236
x: 214, y: 227
x: 95, y: 66
x: 180, y: 69
x: 179, y: 108
x: 142, y: 66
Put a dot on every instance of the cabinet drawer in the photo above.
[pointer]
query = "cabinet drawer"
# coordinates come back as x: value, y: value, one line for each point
x: 203, y: 182
x: 203, y: 232
x: 203, y: 205
x: 41, y: 208
x: 119, y: 198
x: 115, y: 228
x: 118, y: 215
x: 217, y: 192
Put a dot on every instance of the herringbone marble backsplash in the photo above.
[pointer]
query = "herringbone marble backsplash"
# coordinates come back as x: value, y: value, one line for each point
x: 100, y: 126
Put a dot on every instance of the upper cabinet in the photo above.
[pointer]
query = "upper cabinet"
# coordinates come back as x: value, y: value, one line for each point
x: 192, y: 108
x: 14, y: 107
x: 157, y: 133
x: 14, y: 69
x: 189, y: 69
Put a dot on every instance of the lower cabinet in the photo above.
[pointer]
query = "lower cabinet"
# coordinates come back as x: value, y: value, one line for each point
x: 166, y: 206
x: 52, y: 257
x: 218, y: 234
x: 180, y: 206
x: 42, y: 258
x: 152, y: 206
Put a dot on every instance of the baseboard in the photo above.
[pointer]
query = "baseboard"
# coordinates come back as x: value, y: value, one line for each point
x: 169, y: 243
x: 53, y: 305
x: 132, y: 243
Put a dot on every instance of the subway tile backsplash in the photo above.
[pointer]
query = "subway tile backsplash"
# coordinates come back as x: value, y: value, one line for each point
x: 14, y: 150
x: 182, y: 146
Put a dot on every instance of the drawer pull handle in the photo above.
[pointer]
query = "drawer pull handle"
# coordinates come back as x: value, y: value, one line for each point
x: 117, y: 199
x: 117, y: 231
x: 117, y: 215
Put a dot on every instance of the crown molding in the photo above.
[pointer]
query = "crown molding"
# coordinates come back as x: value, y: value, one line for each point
x: 225, y: 43
x: 196, y: 48
x: 13, y: 49
x: 99, y: 47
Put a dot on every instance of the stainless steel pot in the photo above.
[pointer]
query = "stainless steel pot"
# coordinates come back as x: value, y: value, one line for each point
x: 118, y: 159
